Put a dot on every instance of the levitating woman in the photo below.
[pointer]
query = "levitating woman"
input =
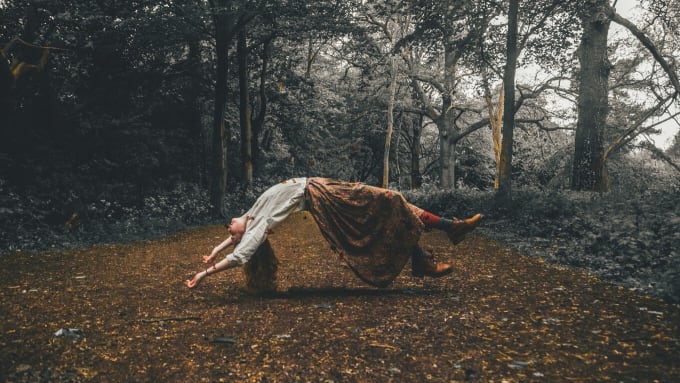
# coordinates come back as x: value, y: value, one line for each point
x: 375, y: 231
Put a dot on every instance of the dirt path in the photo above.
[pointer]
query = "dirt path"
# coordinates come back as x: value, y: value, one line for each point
x: 500, y: 317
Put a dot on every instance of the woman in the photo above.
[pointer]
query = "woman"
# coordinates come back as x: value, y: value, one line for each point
x: 375, y: 230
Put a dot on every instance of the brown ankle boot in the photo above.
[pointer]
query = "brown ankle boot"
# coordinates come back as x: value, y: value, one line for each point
x: 422, y: 265
x: 456, y: 232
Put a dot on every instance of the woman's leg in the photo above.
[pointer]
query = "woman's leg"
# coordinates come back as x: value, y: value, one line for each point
x: 423, y: 264
x: 455, y: 228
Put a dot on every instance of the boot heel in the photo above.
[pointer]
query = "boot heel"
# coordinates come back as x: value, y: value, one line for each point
x: 418, y: 263
x: 417, y: 271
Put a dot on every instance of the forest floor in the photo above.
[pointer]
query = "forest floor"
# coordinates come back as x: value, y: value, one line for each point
x: 501, y: 317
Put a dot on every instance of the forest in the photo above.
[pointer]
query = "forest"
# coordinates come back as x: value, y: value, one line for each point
x: 131, y: 131
x: 125, y: 120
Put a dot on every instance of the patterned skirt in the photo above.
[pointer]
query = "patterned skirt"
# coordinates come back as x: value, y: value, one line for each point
x: 373, y: 229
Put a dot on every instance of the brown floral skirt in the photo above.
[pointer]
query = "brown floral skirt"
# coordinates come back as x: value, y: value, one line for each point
x: 373, y: 229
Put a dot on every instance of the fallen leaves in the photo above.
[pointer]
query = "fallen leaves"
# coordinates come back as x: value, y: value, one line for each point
x: 499, y: 317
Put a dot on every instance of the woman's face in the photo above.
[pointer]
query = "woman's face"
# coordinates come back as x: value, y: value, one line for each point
x: 237, y: 227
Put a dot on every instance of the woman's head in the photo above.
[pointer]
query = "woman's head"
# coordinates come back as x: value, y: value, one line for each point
x: 237, y: 227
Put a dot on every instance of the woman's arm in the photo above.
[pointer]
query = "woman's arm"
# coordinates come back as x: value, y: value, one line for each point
x: 219, y: 266
x: 210, y: 258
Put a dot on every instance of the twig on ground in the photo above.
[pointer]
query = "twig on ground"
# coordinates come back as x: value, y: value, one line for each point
x: 170, y: 319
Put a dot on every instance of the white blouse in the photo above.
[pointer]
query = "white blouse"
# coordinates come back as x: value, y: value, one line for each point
x: 270, y: 209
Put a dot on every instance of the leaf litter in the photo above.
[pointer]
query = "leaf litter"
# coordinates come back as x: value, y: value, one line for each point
x: 500, y: 316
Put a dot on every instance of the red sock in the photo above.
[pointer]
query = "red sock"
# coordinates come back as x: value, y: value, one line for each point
x: 429, y: 219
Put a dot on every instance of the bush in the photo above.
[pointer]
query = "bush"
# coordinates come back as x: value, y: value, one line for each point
x: 65, y: 221
x: 629, y: 238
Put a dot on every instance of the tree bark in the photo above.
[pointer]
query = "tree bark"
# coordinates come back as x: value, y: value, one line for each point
x: 589, y: 167
x: 416, y: 176
x: 505, y: 169
x: 310, y: 58
x: 258, y: 123
x: 244, y: 109
x: 447, y: 130
x: 390, y: 122
x: 194, y: 111
x: 496, y: 122
x: 223, y: 37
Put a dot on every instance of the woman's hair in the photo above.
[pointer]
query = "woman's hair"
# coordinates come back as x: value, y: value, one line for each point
x: 260, y: 270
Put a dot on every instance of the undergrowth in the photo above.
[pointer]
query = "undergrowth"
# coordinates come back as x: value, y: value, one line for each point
x: 632, y: 239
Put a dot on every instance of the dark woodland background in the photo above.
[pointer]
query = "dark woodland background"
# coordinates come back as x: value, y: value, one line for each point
x: 123, y: 120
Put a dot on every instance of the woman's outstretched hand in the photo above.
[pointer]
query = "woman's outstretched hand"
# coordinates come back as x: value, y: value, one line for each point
x: 193, y: 282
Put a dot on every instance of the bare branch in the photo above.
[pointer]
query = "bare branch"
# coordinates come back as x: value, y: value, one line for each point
x: 611, y: 13
x: 430, y: 111
x: 474, y: 127
x: 428, y: 79
x: 628, y: 135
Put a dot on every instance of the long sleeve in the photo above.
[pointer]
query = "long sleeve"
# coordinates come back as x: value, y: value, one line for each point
x: 250, y: 241
x: 270, y: 209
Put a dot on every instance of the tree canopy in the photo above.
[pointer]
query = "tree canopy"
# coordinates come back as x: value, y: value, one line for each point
x: 117, y: 99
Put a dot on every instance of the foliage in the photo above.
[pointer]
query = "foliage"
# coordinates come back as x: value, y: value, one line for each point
x: 33, y: 222
x: 109, y: 108
x: 127, y: 100
x: 674, y: 149
x: 627, y: 238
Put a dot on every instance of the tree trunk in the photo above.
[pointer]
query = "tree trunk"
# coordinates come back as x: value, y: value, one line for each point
x: 496, y: 122
x: 310, y: 58
x: 390, y: 122
x: 447, y: 131
x: 194, y: 111
x: 416, y: 176
x: 244, y: 109
x: 220, y: 130
x: 589, y: 167
x: 258, y: 124
x: 397, y: 164
x: 505, y: 173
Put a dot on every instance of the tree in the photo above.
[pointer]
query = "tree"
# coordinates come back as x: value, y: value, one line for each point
x: 475, y: 57
x: 394, y: 73
x: 589, y: 171
x: 258, y: 121
x: 244, y: 109
x: 413, y: 146
x: 458, y: 28
x: 223, y: 35
x: 496, y: 122
x: 505, y: 173
x: 251, y: 40
x: 674, y: 149
x: 229, y: 17
x: 590, y: 154
x: 393, y: 31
